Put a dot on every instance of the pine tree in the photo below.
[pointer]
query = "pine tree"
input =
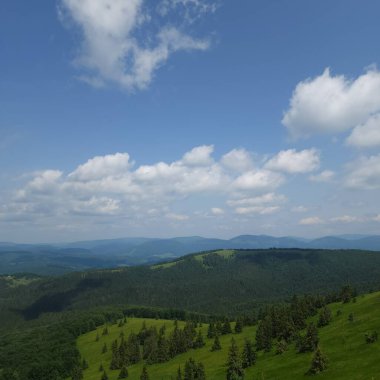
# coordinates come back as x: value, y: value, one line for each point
x: 310, y: 341
x: 123, y: 373
x: 216, y: 345
x: 104, y: 376
x: 226, y: 329
x: 104, y: 349
x: 97, y: 337
x: 84, y: 364
x: 179, y: 374
x: 325, y: 317
x: 194, y: 371
x: 105, y: 331
x: 211, y: 331
x: 238, y: 326
x: 319, y: 363
x: 77, y: 373
x: 144, y: 374
x: 351, y: 317
x: 101, y: 369
x: 248, y: 354
x: 235, y: 369
x: 264, y: 334
x: 199, y: 342
x: 281, y: 347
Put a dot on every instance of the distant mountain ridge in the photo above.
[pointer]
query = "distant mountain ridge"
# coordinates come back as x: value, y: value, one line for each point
x: 82, y: 255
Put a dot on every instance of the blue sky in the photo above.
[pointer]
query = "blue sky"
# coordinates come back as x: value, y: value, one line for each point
x: 183, y: 117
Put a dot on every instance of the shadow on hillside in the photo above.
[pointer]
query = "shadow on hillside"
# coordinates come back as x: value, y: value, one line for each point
x: 58, y: 301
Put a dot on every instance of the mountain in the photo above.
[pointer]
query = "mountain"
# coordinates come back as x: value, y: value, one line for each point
x: 62, y: 258
x: 224, y: 281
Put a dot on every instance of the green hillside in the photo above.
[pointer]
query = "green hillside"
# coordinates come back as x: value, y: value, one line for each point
x: 343, y: 341
x: 224, y: 282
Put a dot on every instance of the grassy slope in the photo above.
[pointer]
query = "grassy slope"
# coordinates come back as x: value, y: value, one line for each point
x: 343, y: 342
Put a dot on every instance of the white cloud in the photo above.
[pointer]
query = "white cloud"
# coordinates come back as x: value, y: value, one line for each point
x: 102, y: 166
x: 237, y: 160
x: 259, y: 200
x: 366, y: 135
x: 332, y: 104
x: 376, y: 218
x: 313, y: 220
x: 345, y: 219
x: 364, y: 173
x: 256, y: 210
x: 261, y: 180
x: 217, y: 211
x: 120, y: 44
x: 199, y: 156
x: 325, y: 176
x: 177, y: 217
x: 291, y: 161
x: 299, y: 209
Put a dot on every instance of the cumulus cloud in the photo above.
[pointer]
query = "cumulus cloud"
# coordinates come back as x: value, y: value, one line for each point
x: 259, y: 200
x: 237, y: 160
x: 345, y: 219
x: 313, y: 220
x: 364, y: 173
x: 294, y: 162
x: 258, y: 180
x: 120, y: 43
x: 332, y: 104
x: 325, y: 176
x: 217, y: 211
x: 366, y: 135
x: 257, y: 210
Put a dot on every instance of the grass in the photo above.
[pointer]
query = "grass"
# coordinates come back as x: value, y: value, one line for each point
x: 350, y: 358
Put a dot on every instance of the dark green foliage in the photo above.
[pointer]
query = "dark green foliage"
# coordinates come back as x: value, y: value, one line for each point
x: 105, y: 331
x: 238, y: 326
x: 264, y: 334
x: 179, y: 374
x: 194, y: 370
x: 77, y: 373
x: 235, y: 369
x: 347, y: 293
x: 101, y: 368
x: 351, y: 317
x: 216, y: 345
x: 211, y: 330
x: 9, y: 374
x: 104, y: 376
x: 199, y: 342
x: 248, y: 354
x: 226, y: 328
x: 123, y: 373
x: 84, y: 364
x: 319, y: 363
x: 144, y: 374
x: 281, y: 347
x: 371, y: 337
x: 308, y: 342
x: 325, y: 317
x: 104, y: 349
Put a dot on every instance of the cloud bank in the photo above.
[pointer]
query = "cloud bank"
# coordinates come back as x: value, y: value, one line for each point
x: 124, y: 42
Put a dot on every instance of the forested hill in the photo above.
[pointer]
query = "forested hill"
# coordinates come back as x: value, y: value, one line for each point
x: 220, y: 282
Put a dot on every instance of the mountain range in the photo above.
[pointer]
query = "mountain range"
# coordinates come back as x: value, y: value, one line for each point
x: 53, y: 259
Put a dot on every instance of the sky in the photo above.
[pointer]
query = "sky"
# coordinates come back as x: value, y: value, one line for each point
x: 165, y: 118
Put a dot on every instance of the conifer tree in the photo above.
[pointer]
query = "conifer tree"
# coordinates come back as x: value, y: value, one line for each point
x: 105, y: 331
x: 101, y: 369
x: 84, y: 364
x: 104, y: 349
x: 144, y: 374
x: 104, y: 376
x: 325, y: 317
x: 238, y: 326
x: 309, y: 342
x: 97, y: 337
x: 248, y: 354
x: 264, y: 335
x: 77, y: 373
x: 351, y: 317
x: 281, y: 347
x: 235, y: 369
x: 123, y: 373
x: 179, y: 374
x: 211, y: 330
x: 199, y: 342
x: 226, y: 329
x: 216, y: 345
x: 319, y: 363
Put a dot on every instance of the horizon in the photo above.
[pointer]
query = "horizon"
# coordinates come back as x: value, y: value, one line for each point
x: 189, y: 118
